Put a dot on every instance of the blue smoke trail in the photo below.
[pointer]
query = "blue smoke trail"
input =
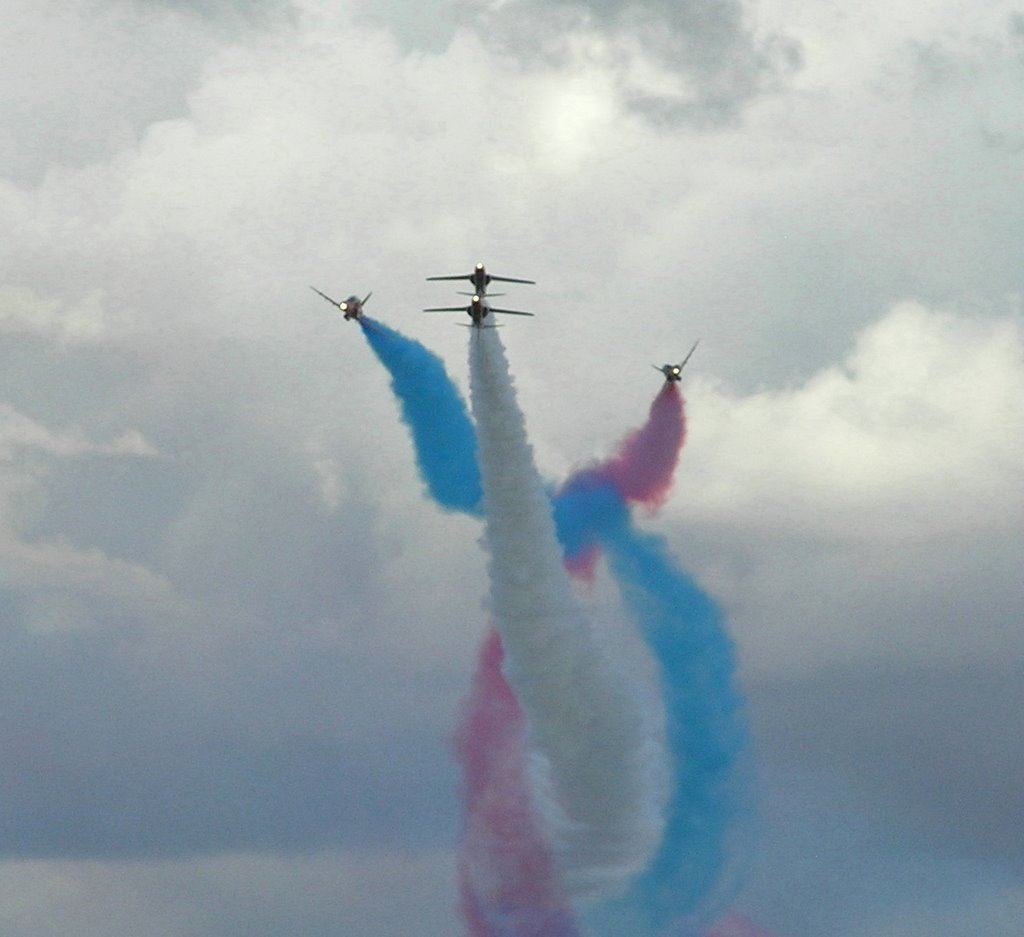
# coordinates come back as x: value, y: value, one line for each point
x: 685, y: 884
x: 442, y: 432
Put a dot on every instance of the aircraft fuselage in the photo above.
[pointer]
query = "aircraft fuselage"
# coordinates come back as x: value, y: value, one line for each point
x: 351, y: 307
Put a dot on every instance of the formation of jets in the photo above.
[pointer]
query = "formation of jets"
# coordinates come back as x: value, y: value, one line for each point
x: 479, y: 308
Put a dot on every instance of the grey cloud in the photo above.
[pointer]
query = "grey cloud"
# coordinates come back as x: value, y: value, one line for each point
x: 235, y: 690
x: 986, y: 69
x: 121, y: 506
x: 167, y: 735
x: 703, y: 43
x: 931, y: 742
x: 417, y: 25
x: 242, y: 10
x: 131, y: 787
x: 800, y: 604
x: 837, y: 860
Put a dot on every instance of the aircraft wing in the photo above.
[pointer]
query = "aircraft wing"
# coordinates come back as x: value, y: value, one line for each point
x: 682, y: 363
x: 455, y: 276
x: 511, y: 312
x: 446, y: 309
x: 333, y: 302
x: 512, y: 280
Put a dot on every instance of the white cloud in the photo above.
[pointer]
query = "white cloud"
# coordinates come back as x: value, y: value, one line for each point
x: 23, y: 311
x: 231, y: 895
x: 917, y: 434
x: 68, y: 586
x: 18, y: 432
x: 61, y: 577
x: 873, y: 511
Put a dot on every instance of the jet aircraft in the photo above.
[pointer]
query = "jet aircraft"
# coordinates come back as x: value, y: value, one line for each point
x: 480, y: 279
x: 674, y: 372
x: 351, y: 307
x: 478, y: 310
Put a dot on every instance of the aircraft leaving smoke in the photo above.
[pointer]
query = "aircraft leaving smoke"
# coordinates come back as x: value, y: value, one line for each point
x: 508, y: 884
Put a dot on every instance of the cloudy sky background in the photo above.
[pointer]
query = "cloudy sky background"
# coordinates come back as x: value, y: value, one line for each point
x: 236, y: 633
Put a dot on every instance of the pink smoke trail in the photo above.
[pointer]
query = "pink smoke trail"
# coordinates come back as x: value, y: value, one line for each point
x: 641, y: 472
x: 507, y: 878
x: 642, y: 469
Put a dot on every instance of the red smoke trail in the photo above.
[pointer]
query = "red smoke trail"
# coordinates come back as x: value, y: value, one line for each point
x: 507, y: 878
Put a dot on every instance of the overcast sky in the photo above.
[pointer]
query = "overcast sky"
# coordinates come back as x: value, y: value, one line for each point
x: 236, y: 632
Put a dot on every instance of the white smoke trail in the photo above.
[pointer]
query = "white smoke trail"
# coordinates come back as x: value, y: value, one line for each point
x: 595, y: 786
